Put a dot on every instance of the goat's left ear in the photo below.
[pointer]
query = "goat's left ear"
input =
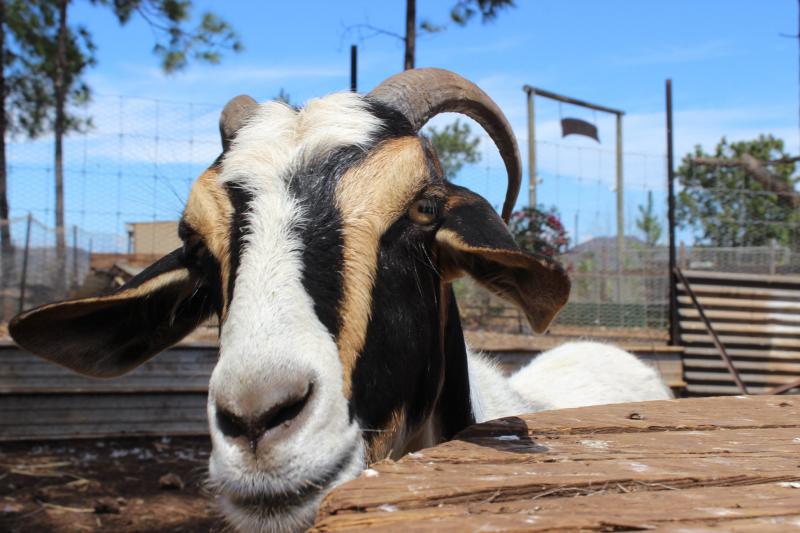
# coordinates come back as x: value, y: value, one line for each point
x: 474, y: 240
x: 108, y: 336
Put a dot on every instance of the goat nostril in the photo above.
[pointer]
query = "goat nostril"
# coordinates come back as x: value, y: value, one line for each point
x: 279, y: 414
x: 229, y: 424
x: 234, y: 426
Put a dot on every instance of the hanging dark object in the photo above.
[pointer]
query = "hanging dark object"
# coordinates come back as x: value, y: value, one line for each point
x: 576, y: 126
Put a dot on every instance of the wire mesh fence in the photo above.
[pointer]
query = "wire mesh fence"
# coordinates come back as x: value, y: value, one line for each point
x: 128, y: 177
x: 33, y: 270
x: 744, y: 214
x: 136, y: 163
x: 634, y: 297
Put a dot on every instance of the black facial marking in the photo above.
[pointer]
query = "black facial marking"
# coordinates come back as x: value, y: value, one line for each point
x: 394, y: 123
x: 454, y: 403
x: 240, y: 199
x: 197, y: 257
x: 401, y: 365
x: 321, y: 234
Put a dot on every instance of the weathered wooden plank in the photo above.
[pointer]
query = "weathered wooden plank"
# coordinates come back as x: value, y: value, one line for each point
x: 762, y: 378
x: 750, y: 353
x: 744, y: 291
x: 413, y: 486
x: 596, y: 509
x: 712, y: 389
x: 622, y: 446
x: 738, y: 278
x: 754, y: 366
x: 665, y: 464
x: 81, y: 415
x: 776, y: 342
x: 711, y: 301
x: 185, y: 369
x: 667, y: 415
x: 157, y: 428
x: 745, y: 316
x: 742, y: 328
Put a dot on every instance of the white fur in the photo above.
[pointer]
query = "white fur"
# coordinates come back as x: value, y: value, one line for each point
x: 578, y: 374
x: 278, y: 139
x: 490, y: 394
x: 272, y: 343
x: 575, y: 374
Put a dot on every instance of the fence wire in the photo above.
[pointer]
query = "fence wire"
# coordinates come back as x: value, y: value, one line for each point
x: 135, y: 164
x: 128, y: 177
x: 744, y: 215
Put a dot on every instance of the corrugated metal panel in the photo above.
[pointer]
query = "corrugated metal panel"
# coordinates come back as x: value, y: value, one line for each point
x: 756, y: 318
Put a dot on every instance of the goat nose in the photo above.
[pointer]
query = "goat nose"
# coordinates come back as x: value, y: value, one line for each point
x: 254, y: 427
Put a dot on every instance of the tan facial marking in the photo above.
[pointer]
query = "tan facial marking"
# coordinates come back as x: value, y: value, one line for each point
x: 209, y: 212
x: 370, y: 197
x: 389, y: 443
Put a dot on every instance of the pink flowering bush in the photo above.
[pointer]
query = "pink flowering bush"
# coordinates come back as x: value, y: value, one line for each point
x: 539, y: 230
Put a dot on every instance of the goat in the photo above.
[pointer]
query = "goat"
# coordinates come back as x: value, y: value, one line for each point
x: 326, y: 240
x: 574, y: 374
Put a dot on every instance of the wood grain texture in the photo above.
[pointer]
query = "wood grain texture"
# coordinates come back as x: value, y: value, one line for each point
x: 717, y: 464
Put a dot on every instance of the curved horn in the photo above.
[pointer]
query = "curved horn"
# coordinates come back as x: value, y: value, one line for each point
x: 420, y: 94
x: 233, y: 117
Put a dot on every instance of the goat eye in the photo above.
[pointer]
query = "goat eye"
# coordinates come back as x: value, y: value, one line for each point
x: 424, y: 211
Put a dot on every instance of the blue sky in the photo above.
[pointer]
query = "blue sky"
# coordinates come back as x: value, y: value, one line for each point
x: 733, y: 75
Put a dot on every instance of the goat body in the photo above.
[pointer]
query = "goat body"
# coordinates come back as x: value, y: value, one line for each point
x: 574, y: 374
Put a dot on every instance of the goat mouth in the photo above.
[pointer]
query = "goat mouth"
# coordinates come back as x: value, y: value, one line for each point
x: 274, y: 503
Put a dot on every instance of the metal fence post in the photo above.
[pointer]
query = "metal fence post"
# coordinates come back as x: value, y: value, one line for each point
x: 353, y: 68
x: 24, y: 279
x: 773, y: 250
x: 74, y: 256
x: 620, y: 222
x: 674, y: 332
x: 531, y: 147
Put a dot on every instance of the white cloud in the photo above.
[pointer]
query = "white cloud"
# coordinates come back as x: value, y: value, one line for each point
x: 210, y: 84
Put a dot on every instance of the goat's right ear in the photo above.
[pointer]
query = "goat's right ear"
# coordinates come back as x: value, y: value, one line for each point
x: 110, y: 335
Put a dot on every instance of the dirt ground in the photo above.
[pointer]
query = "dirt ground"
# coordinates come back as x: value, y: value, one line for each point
x: 106, y: 485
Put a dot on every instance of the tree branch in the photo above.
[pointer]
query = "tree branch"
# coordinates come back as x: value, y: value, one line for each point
x: 725, y: 162
x: 757, y: 169
x: 375, y: 31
